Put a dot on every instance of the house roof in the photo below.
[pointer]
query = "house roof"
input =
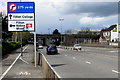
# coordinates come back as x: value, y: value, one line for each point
x: 110, y: 28
x: 105, y: 30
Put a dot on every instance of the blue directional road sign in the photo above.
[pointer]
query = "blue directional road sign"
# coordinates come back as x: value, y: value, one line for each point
x: 21, y: 16
x: 21, y: 7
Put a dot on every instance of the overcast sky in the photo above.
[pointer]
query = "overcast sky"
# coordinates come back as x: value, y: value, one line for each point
x: 76, y: 15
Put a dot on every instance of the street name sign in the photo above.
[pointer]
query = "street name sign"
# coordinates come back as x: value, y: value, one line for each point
x: 21, y: 16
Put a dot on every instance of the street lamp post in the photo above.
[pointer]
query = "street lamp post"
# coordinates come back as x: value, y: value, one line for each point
x: 61, y: 19
x: 48, y: 30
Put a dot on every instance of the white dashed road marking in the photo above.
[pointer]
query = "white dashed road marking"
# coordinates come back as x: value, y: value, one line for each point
x: 113, y: 51
x: 74, y: 58
x: 115, y: 71
x: 88, y: 62
x: 65, y: 55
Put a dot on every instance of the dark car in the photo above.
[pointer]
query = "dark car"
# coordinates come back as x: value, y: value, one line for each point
x: 51, y: 49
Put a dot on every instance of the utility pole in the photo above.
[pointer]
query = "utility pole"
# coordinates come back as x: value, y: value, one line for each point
x: 61, y: 19
x: 48, y: 30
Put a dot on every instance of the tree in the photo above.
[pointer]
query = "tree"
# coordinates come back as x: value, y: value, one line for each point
x: 56, y: 38
x: 14, y: 36
x: 56, y: 31
x: 5, y: 33
x: 25, y: 35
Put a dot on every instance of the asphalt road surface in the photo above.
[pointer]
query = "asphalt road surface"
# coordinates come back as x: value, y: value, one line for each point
x: 88, y: 63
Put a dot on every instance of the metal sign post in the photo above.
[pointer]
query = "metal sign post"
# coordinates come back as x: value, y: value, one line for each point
x: 21, y: 44
x: 21, y: 17
x: 35, y: 48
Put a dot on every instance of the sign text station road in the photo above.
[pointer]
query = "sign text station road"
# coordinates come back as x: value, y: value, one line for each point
x: 21, y: 25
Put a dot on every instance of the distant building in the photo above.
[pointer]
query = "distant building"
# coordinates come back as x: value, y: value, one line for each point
x: 73, y: 31
x: 85, y: 35
x: 76, y: 31
x: 109, y: 34
x: 92, y: 31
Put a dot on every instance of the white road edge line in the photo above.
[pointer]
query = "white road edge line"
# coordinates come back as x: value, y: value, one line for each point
x: 3, y: 75
x: 88, y: 62
x: 115, y: 71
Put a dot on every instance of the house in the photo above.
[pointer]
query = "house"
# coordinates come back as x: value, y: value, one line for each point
x: 110, y: 34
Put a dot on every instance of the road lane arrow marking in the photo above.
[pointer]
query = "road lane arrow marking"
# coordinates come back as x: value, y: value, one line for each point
x: 88, y: 62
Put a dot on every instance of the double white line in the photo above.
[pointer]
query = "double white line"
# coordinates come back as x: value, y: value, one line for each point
x: 3, y: 75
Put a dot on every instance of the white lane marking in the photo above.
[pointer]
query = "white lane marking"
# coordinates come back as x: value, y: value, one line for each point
x: 88, y: 62
x: 113, y: 51
x: 65, y: 55
x: 23, y: 60
x: 3, y: 75
x: 74, y: 58
x: 115, y: 71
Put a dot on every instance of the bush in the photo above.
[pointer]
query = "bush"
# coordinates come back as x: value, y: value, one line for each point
x: 9, y: 46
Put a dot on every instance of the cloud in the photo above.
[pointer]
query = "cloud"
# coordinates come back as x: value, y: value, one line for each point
x: 98, y: 22
x: 91, y: 20
x: 94, y: 9
x: 76, y: 14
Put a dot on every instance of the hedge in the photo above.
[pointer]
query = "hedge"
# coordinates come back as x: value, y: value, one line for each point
x: 9, y: 46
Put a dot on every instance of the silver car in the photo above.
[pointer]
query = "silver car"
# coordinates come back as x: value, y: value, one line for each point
x: 40, y: 47
x: 77, y: 47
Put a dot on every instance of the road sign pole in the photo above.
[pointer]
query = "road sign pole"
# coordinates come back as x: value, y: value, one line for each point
x: 35, y: 48
x: 21, y: 43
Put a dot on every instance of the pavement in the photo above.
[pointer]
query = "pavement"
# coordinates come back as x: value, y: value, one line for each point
x: 16, y: 67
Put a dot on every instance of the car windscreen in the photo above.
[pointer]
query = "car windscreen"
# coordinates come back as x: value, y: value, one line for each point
x: 52, y: 46
x: 77, y: 45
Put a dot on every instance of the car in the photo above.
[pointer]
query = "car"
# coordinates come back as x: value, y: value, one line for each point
x: 77, y: 47
x: 51, y: 49
x: 40, y: 47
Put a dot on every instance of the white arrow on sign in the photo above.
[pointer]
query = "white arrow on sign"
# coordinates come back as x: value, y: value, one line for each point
x: 13, y: 7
